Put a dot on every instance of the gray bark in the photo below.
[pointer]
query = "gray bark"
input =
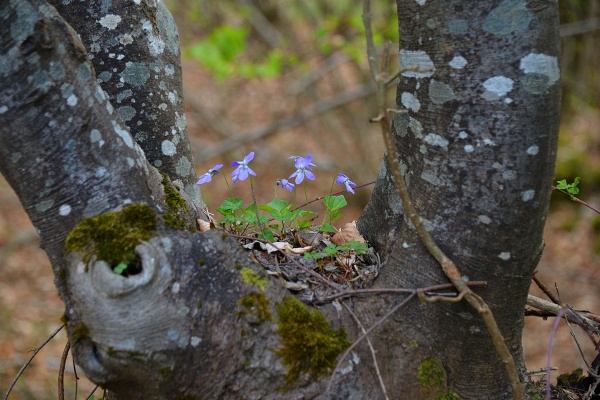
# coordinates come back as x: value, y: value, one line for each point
x: 477, y: 150
x: 178, y: 328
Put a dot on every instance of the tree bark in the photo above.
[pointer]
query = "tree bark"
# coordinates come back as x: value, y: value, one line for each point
x: 477, y: 147
x: 477, y: 151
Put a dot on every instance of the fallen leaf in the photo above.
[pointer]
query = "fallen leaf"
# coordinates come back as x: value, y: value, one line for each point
x: 347, y: 234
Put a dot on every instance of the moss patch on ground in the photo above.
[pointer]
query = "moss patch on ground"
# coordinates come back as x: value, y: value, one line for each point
x: 113, y: 236
x: 310, y: 345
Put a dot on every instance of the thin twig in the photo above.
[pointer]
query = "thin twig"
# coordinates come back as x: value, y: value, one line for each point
x: 448, y: 266
x: 362, y: 328
x: 35, y: 351
x: 61, y: 371
x: 91, y: 394
x: 577, y: 200
x: 545, y: 289
x: 364, y: 335
x: 333, y: 194
x: 426, y: 290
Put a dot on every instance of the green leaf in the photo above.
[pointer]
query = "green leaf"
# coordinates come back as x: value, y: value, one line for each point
x: 230, y: 205
x: 268, y: 234
x: 278, y: 204
x: 562, y: 184
x: 303, y: 224
x: 326, y: 228
x: 334, y: 203
x: 120, y: 268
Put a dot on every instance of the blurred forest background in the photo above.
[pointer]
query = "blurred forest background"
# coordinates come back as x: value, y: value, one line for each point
x: 291, y: 78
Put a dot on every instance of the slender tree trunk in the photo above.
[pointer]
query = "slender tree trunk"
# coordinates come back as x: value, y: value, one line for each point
x: 199, y: 319
x: 477, y: 152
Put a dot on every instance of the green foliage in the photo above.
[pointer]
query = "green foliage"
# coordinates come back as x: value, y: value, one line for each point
x: 571, y: 188
x: 331, y: 249
x: 113, y: 236
x: 309, y: 344
x: 221, y: 51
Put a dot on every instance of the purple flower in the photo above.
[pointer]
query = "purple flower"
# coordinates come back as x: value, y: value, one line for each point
x: 242, y: 170
x: 207, y: 177
x: 287, y: 185
x: 341, y: 178
x: 303, y: 168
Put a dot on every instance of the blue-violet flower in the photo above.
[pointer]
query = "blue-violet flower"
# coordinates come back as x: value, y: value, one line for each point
x: 207, y: 177
x: 242, y: 170
x: 341, y: 178
x: 303, y: 169
x: 287, y: 185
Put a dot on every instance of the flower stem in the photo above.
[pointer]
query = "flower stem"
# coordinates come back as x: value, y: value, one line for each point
x: 260, y: 226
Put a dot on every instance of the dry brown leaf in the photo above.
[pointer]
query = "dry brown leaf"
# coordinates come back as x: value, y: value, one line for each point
x: 347, y: 234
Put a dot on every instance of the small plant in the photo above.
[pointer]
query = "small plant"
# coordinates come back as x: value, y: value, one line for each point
x: 570, y: 188
x: 272, y: 220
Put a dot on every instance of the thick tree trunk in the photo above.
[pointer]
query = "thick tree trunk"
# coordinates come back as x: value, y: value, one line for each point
x: 200, y: 319
x: 477, y: 151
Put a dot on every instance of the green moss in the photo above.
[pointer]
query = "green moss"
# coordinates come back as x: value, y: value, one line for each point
x: 430, y: 374
x: 64, y: 318
x: 238, y: 266
x: 113, y: 236
x: 165, y: 371
x: 177, y: 205
x: 80, y: 331
x: 62, y: 273
x: 258, y: 304
x: 431, y: 377
x: 252, y: 278
x: 570, y: 379
x: 310, y: 345
x: 201, y: 262
x: 199, y: 304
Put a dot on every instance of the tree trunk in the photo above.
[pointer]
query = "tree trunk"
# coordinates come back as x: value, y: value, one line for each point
x: 477, y: 151
x: 199, y: 319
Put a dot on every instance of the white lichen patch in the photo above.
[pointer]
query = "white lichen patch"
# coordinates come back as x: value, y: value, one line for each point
x: 44, y: 205
x: 499, y: 85
x: 469, y: 148
x: 195, y: 341
x: 175, y: 288
x: 64, y: 210
x: 72, y: 100
x: 110, y: 21
x: 463, y: 135
x: 533, y: 150
x: 123, y: 134
x: 410, y: 102
x: 484, y: 219
x: 541, y: 64
x: 505, y: 255
x: 436, y: 140
x: 3, y: 109
x: 168, y: 148
x: 405, y: 245
x: 419, y: 60
x: 458, y: 62
x: 527, y: 195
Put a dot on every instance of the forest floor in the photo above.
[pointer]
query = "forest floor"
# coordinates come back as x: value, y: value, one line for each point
x: 30, y: 309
